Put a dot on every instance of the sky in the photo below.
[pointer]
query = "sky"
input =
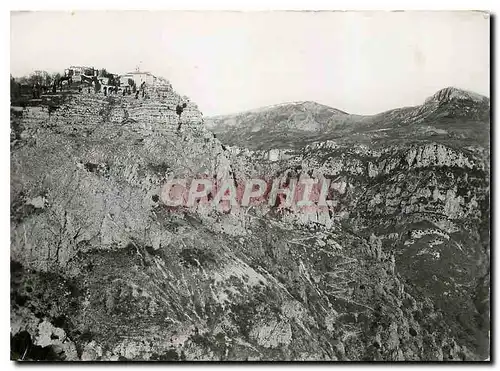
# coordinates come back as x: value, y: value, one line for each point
x: 227, y: 62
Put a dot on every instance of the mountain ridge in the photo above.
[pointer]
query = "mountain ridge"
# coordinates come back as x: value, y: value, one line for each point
x: 451, y: 92
x: 281, y: 105
x: 279, y: 126
x: 443, y: 94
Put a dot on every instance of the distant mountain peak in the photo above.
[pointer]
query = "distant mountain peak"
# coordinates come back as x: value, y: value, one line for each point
x: 451, y: 93
x: 308, y: 105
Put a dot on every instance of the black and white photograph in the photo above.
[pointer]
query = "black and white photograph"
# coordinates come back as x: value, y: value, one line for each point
x: 250, y: 186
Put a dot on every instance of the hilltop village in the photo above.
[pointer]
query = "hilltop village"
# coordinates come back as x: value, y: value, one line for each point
x: 50, y: 90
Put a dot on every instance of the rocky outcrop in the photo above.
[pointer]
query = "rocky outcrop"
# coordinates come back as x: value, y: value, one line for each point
x: 71, y: 169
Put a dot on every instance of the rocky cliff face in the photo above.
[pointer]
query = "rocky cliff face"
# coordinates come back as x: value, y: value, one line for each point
x: 102, y: 270
x: 414, y: 182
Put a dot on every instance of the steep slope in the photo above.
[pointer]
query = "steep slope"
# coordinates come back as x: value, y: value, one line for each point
x: 415, y: 182
x: 117, y: 148
x: 102, y: 270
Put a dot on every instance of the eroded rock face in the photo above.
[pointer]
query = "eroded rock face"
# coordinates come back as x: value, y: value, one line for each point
x: 95, y: 157
x: 396, y: 269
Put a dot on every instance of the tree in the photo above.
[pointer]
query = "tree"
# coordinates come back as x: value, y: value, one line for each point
x: 104, y: 73
x: 36, y: 77
x: 45, y: 78
x: 15, y: 89
x: 56, y: 76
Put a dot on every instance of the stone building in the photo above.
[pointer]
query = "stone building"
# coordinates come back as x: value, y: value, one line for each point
x: 139, y: 77
x: 76, y: 72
